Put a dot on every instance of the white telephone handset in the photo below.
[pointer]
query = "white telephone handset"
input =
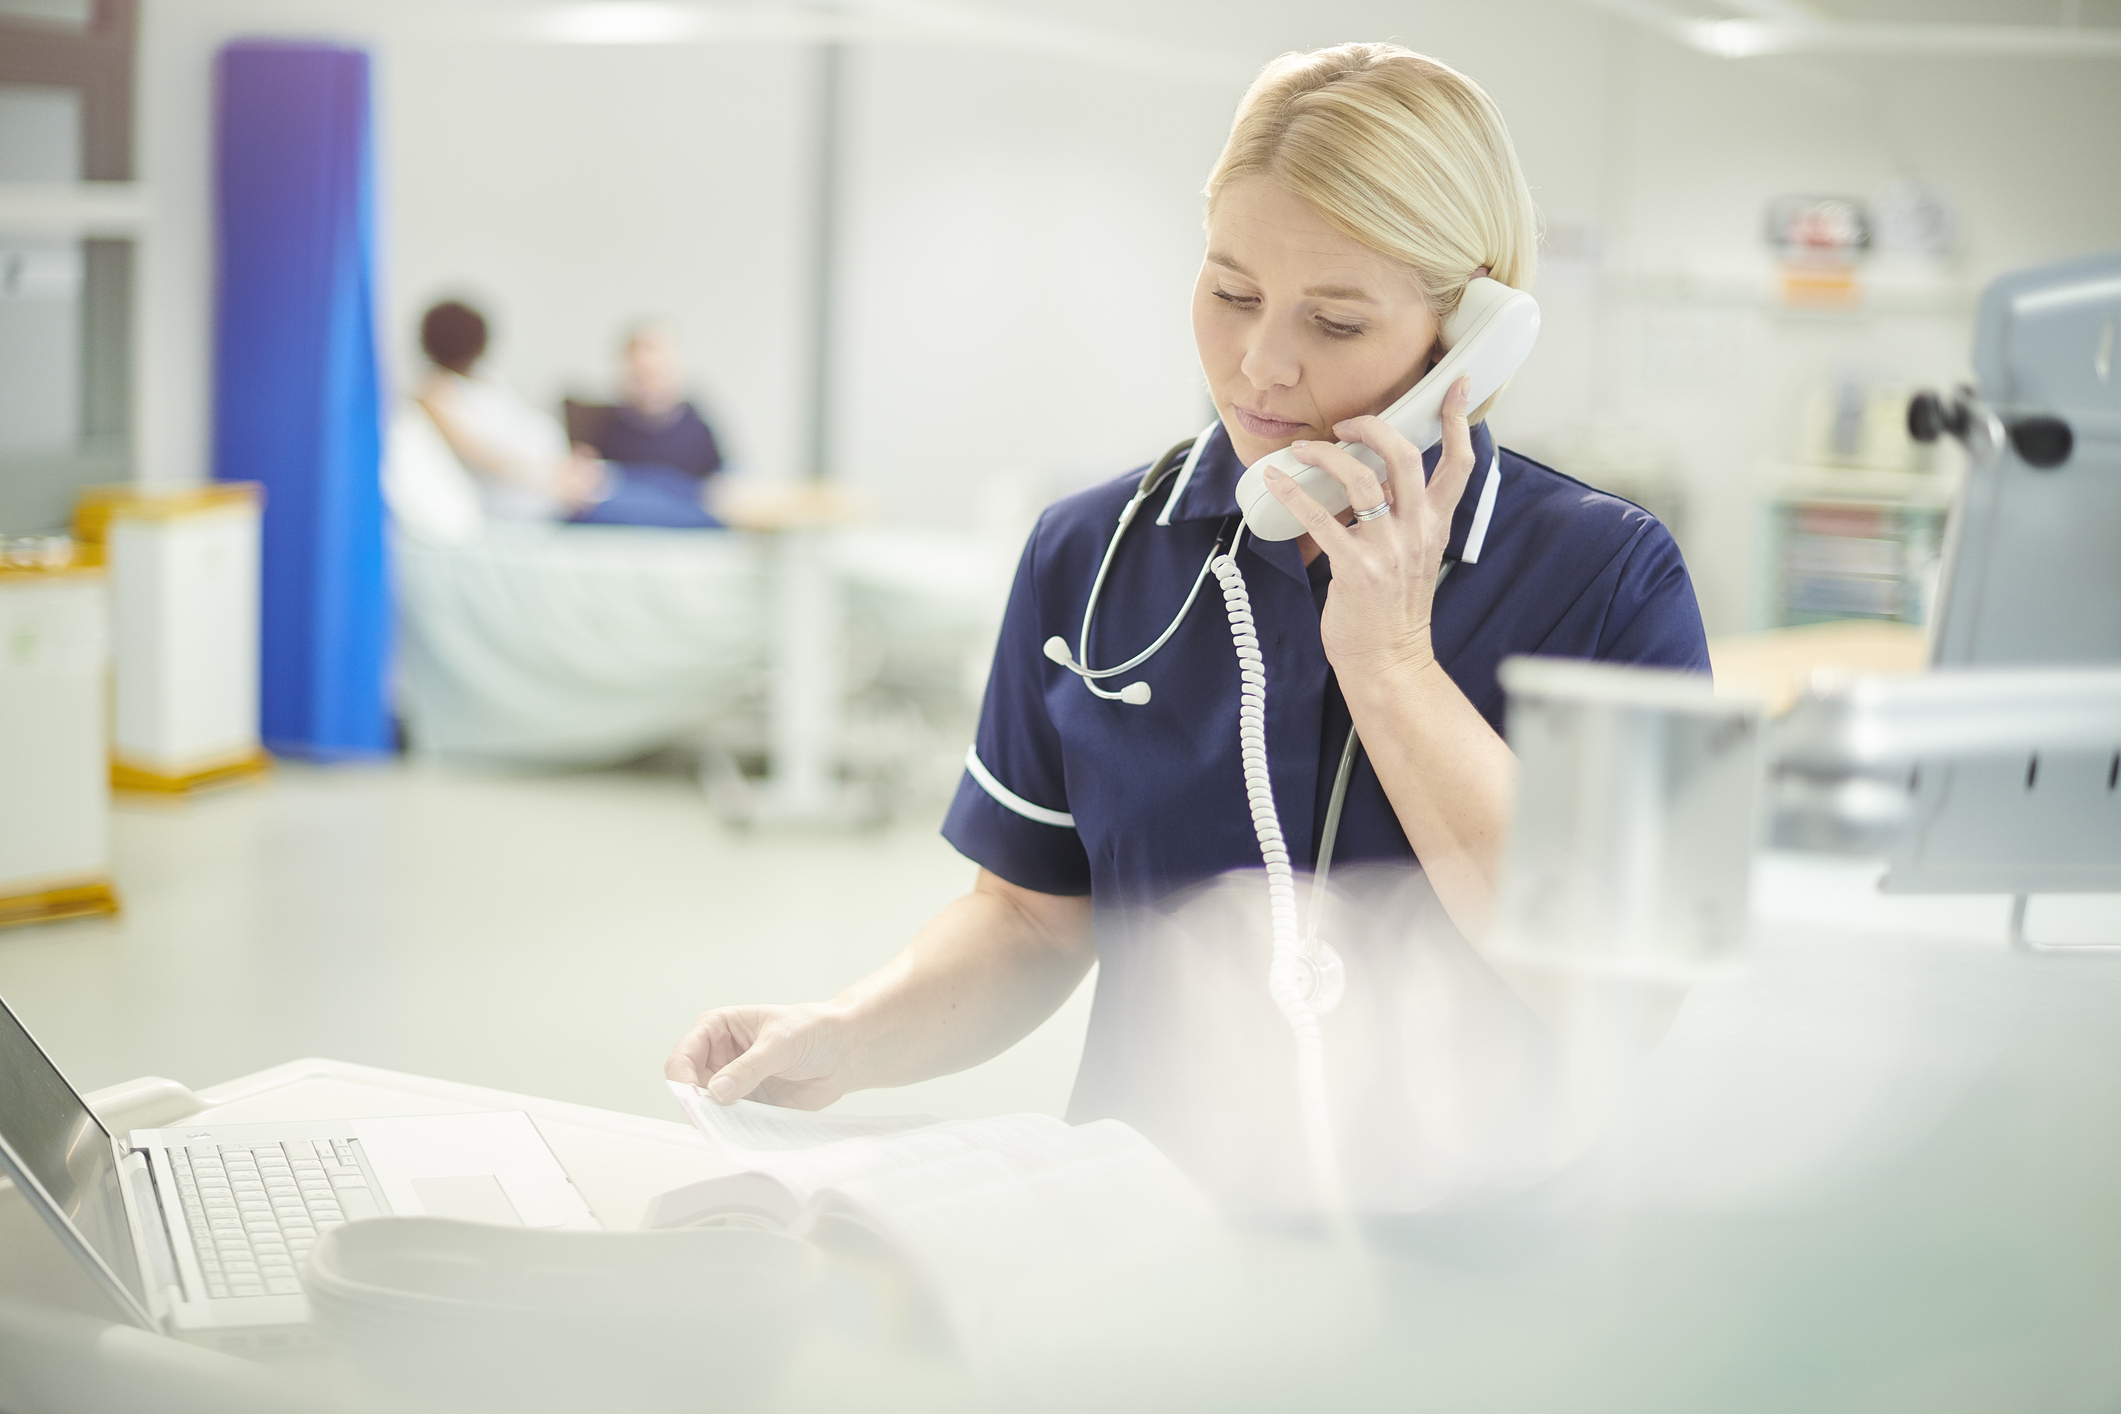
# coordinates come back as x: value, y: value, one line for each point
x: 1486, y: 339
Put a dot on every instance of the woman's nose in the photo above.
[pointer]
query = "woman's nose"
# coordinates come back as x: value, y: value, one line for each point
x: 1270, y: 360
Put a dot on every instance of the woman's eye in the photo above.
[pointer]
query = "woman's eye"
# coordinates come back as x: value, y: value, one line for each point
x: 1241, y: 301
x: 1340, y: 331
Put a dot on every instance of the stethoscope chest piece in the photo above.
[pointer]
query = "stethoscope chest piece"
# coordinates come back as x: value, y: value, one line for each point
x: 1321, y: 977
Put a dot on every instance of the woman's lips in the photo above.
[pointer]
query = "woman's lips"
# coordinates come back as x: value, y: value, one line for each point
x: 1261, y: 424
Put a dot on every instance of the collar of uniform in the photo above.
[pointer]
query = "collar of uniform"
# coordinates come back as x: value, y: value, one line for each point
x: 1206, y: 489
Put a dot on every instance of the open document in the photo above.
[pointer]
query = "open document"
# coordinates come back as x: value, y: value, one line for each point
x: 969, y: 1207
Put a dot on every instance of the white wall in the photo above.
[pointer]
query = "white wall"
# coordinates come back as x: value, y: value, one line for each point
x: 40, y: 354
x: 569, y: 190
x: 173, y: 262
x: 1020, y: 247
x: 1021, y: 231
x: 1702, y: 144
x: 40, y: 305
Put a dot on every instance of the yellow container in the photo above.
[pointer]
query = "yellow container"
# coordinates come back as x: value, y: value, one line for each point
x: 183, y: 563
x: 54, y: 777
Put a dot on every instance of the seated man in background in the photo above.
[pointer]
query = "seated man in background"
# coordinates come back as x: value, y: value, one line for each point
x: 517, y: 455
x: 658, y: 452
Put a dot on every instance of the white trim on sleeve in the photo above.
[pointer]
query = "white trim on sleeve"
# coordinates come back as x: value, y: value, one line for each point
x: 1009, y: 799
x: 1477, y: 536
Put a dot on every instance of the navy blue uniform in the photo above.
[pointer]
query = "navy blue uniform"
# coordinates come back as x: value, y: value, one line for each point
x: 1067, y: 793
x: 656, y: 467
x: 681, y: 440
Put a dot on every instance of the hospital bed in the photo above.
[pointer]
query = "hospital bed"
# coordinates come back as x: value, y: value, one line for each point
x: 577, y: 645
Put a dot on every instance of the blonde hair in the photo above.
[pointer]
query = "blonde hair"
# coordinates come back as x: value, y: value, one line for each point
x: 1397, y: 151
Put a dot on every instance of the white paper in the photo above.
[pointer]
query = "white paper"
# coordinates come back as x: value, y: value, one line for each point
x: 746, y: 1127
x: 965, y: 1194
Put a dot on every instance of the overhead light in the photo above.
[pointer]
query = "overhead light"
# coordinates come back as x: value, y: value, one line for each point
x: 621, y: 22
x: 952, y: 22
x: 1734, y: 39
x: 1782, y: 27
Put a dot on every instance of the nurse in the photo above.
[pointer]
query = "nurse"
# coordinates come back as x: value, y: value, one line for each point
x: 1361, y: 189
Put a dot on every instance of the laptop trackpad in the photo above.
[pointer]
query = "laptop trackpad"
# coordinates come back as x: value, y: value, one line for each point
x: 475, y: 1197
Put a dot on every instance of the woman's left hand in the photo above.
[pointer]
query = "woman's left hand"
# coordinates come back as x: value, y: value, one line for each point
x: 1384, y: 569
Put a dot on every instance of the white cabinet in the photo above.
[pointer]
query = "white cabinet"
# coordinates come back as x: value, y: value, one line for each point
x: 54, y: 772
x: 183, y: 567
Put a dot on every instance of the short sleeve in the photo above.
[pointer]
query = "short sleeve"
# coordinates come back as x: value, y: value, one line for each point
x: 1010, y: 815
x: 1654, y: 620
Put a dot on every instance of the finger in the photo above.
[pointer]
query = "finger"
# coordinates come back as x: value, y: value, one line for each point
x: 1455, y: 467
x: 767, y: 1055
x: 686, y: 1059
x: 680, y: 1067
x: 1401, y: 457
x: 1328, y: 532
x: 704, y: 1049
x: 1354, y: 476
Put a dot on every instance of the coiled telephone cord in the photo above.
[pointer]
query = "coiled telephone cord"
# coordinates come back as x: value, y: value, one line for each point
x: 1287, y: 968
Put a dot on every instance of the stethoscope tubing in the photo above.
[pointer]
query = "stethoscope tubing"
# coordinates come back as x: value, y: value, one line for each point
x: 1077, y: 663
x: 1097, y: 589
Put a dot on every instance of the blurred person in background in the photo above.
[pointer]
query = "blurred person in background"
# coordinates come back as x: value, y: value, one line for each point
x: 517, y: 455
x: 659, y: 453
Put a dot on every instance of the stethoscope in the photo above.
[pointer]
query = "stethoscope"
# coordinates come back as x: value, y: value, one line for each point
x: 1136, y: 694
x: 1327, y: 975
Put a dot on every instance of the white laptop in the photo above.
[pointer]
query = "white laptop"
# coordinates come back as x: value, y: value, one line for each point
x: 203, y: 1229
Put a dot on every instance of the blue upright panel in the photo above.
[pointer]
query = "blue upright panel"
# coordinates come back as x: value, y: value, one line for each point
x: 295, y: 383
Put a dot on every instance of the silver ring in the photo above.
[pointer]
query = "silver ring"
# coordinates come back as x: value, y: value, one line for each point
x: 1375, y: 511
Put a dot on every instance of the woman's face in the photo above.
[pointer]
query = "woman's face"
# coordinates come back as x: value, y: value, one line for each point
x: 1298, y: 326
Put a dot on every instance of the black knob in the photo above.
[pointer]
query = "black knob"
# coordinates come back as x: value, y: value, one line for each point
x: 2043, y: 442
x: 1925, y: 419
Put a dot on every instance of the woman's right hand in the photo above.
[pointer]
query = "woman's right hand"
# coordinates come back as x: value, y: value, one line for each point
x: 979, y: 978
x: 784, y: 1055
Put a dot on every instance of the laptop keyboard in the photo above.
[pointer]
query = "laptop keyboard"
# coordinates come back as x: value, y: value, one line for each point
x: 255, y: 1210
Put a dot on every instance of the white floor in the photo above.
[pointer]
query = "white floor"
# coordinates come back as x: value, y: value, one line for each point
x: 547, y: 935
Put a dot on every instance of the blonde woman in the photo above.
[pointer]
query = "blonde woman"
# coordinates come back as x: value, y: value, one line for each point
x: 1361, y: 189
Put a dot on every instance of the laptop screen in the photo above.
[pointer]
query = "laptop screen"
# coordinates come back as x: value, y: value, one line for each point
x: 48, y: 1131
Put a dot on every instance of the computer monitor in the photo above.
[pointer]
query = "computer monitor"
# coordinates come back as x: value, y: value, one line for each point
x: 55, y: 1149
x: 2032, y: 578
